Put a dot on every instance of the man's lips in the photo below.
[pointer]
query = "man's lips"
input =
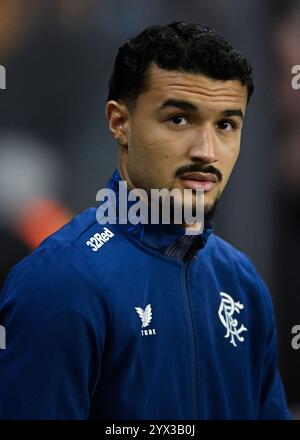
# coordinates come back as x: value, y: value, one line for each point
x: 197, y: 180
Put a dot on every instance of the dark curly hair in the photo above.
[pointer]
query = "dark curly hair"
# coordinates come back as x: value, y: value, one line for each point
x: 181, y: 46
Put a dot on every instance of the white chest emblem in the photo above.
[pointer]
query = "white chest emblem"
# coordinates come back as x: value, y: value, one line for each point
x: 146, y: 317
x: 226, y: 310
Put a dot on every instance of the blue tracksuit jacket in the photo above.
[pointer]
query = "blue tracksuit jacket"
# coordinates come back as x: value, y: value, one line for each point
x: 101, y: 324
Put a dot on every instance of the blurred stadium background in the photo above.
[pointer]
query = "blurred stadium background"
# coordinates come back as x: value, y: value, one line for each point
x: 56, y: 152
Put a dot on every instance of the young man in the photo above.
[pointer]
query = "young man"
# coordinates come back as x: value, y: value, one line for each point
x: 145, y: 321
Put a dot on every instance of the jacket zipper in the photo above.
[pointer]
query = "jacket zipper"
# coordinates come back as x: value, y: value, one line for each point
x: 194, y: 354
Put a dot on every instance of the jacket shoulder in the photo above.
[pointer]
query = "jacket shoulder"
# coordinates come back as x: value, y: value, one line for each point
x: 225, y: 253
x: 56, y: 272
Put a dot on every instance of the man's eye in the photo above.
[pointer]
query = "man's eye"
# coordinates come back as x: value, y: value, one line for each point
x: 227, y: 125
x: 178, y: 120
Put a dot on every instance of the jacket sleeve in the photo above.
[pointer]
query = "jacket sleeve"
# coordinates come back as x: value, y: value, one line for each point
x: 273, y: 403
x: 54, y: 338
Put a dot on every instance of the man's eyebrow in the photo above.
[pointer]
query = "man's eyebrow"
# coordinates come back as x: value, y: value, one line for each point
x: 179, y: 103
x: 233, y: 112
x: 188, y: 106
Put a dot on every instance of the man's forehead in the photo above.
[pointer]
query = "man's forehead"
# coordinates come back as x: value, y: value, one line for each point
x: 164, y: 83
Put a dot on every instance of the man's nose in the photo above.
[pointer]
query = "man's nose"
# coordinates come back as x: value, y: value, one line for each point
x: 203, y: 145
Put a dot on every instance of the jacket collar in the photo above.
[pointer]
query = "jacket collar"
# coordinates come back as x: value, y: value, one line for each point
x: 159, y: 237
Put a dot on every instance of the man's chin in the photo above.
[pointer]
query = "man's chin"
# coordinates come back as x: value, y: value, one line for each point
x: 209, y: 213
x: 190, y: 214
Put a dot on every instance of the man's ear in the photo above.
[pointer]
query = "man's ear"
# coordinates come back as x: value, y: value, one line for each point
x: 117, y: 115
